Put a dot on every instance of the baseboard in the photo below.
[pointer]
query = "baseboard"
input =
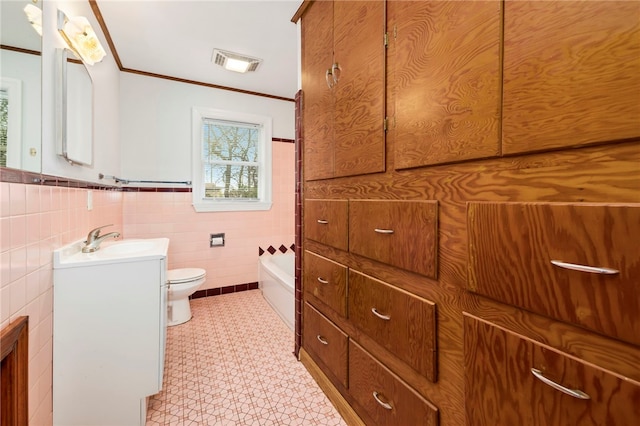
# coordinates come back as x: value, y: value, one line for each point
x: 336, y: 398
x: 224, y: 290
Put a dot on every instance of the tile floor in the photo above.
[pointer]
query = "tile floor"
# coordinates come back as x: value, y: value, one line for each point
x: 233, y: 364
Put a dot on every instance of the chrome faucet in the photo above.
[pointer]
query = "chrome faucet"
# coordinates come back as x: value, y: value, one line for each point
x: 94, y: 239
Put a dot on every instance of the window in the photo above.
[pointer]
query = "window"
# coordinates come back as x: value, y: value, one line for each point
x: 231, y: 161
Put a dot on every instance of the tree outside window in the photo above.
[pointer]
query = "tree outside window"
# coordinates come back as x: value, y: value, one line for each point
x: 231, y: 161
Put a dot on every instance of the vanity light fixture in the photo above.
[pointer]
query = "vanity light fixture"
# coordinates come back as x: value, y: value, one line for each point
x: 235, y: 61
x: 34, y: 15
x: 80, y: 38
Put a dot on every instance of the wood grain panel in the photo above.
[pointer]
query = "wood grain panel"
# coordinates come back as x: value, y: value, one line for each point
x: 317, y: 105
x: 326, y: 221
x: 511, y: 246
x: 592, y: 348
x: 359, y: 108
x: 571, y: 73
x: 409, y: 332
x: 325, y: 280
x: 501, y: 390
x: 14, y: 373
x: 332, y: 353
x: 447, y: 81
x: 367, y: 375
x: 400, y: 233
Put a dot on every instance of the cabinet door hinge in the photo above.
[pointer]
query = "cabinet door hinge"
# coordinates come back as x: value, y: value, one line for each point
x: 386, y: 39
x: 386, y: 124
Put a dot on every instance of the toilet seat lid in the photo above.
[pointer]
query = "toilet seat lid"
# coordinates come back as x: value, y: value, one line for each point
x: 182, y: 275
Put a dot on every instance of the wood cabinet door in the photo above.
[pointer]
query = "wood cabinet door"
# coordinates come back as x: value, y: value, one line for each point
x: 502, y: 390
x: 446, y: 80
x: 326, y: 343
x: 399, y: 233
x: 326, y: 281
x: 401, y: 322
x: 317, y: 98
x: 326, y: 221
x: 571, y: 73
x: 384, y: 396
x: 578, y: 263
x: 359, y: 144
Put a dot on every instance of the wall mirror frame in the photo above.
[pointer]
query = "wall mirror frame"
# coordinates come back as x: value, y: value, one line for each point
x: 74, y: 110
x: 21, y: 88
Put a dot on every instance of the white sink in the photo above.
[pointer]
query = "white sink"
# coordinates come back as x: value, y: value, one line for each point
x: 127, y: 247
x: 127, y: 250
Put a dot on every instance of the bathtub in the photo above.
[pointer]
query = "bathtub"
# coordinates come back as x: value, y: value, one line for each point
x: 277, y: 281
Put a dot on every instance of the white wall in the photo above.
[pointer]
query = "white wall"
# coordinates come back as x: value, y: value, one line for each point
x: 105, y: 76
x: 155, y: 123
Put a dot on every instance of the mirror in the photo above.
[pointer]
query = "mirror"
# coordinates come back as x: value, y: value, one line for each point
x: 74, y: 110
x: 20, y: 88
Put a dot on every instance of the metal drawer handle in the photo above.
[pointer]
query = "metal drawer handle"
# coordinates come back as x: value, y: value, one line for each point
x: 571, y: 392
x: 329, y: 78
x: 379, y: 315
x: 322, y: 221
x: 322, y: 280
x: 384, y: 231
x: 583, y: 268
x: 335, y: 71
x: 381, y: 402
x: 322, y: 340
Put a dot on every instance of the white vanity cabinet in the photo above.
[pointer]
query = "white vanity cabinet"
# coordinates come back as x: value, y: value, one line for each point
x: 109, y: 333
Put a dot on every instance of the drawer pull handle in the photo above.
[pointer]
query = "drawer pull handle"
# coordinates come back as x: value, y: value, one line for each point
x: 322, y: 221
x: 381, y: 402
x: 583, y: 268
x: 379, y: 315
x: 384, y: 231
x: 322, y: 280
x: 572, y: 392
x: 322, y: 340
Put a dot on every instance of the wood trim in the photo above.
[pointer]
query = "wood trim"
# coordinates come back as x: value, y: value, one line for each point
x: 303, y: 7
x: 105, y: 31
x: 14, y: 378
x: 338, y: 401
x: 20, y: 49
x: 200, y: 83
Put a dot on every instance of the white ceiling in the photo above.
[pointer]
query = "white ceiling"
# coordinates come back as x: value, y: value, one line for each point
x: 176, y: 38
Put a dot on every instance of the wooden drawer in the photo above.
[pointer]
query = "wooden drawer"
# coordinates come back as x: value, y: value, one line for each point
x: 501, y: 388
x: 326, y: 343
x: 401, y: 322
x: 383, y: 395
x: 399, y: 233
x: 512, y: 246
x: 325, y: 221
x: 326, y: 280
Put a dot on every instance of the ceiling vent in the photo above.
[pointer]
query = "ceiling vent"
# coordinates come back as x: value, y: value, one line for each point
x: 235, y: 61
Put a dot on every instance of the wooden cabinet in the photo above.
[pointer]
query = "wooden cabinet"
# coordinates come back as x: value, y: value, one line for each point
x: 446, y: 61
x: 343, y: 88
x: 326, y: 343
x: 326, y: 221
x: 571, y: 74
x: 574, y: 262
x: 384, y: 397
x: 400, y: 233
x: 400, y: 321
x: 486, y: 246
x: 512, y: 380
x: 326, y: 281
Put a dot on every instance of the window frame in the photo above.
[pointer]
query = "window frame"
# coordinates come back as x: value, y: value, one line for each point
x: 264, y: 202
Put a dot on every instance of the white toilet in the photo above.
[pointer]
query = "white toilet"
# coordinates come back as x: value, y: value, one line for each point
x: 182, y: 284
